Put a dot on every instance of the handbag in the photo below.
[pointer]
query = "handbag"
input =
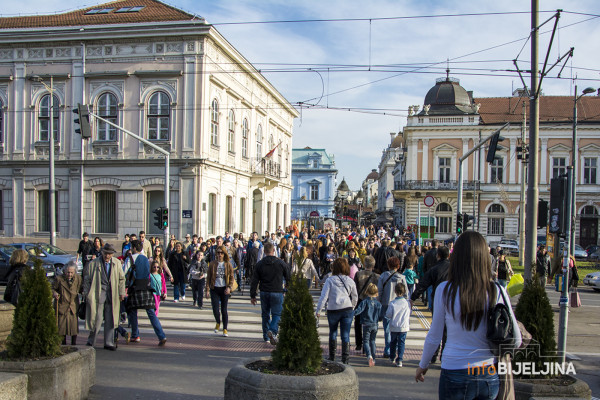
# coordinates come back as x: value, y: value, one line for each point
x: 500, y: 329
x: 575, y: 299
x: 81, y: 309
x: 140, y: 299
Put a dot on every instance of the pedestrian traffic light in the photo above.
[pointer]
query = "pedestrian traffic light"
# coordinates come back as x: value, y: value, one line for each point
x: 494, y: 146
x: 542, y: 214
x: 558, y: 214
x: 164, y: 220
x: 467, y: 221
x: 459, y: 223
x: 83, y: 120
x: 158, y: 213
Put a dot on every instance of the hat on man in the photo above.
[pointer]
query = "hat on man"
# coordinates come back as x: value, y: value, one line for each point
x: 187, y: 236
x: 108, y: 249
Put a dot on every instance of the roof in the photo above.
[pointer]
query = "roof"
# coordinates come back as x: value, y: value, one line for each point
x: 373, y: 175
x: 301, y: 156
x: 447, y: 97
x: 152, y: 11
x: 553, y: 109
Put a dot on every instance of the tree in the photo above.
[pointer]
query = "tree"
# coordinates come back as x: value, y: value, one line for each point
x: 299, y: 347
x: 34, y: 333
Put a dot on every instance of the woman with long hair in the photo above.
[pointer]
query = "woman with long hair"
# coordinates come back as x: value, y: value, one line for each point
x: 461, y: 306
x: 219, y: 280
x: 287, y: 255
x: 178, y: 264
x: 305, y: 266
x: 97, y: 248
x: 354, y: 262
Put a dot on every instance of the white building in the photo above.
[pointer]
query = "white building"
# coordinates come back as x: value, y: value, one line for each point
x: 391, y: 166
x: 164, y: 74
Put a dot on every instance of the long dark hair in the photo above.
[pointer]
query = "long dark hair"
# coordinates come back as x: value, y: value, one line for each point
x: 470, y: 275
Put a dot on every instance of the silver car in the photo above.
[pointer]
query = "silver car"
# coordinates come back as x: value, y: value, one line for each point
x: 49, y: 255
x: 593, y: 279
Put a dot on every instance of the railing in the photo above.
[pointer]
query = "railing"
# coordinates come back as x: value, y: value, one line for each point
x: 268, y: 167
x: 435, y: 185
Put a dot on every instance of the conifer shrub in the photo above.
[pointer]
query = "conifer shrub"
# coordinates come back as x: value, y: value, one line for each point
x: 34, y: 333
x: 299, y: 347
x: 535, y: 313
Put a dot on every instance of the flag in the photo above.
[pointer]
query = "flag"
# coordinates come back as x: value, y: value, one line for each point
x: 387, y: 196
x: 270, y: 153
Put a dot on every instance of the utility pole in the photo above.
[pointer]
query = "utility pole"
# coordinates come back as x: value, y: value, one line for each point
x: 534, y: 114
x: 522, y: 206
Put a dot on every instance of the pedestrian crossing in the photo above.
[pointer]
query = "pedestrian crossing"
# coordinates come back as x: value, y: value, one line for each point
x: 245, y: 321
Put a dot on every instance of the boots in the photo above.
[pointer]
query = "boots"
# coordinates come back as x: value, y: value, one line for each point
x: 332, y: 349
x: 345, y: 352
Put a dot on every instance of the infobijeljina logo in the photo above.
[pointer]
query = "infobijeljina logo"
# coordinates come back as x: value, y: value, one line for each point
x: 524, y: 368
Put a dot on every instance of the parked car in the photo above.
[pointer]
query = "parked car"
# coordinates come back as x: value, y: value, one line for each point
x: 595, y: 255
x: 49, y: 255
x: 509, y: 246
x: 579, y: 252
x: 592, y: 248
x: 6, y: 252
x: 593, y: 279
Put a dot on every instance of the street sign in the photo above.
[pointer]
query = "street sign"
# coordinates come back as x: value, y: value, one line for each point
x: 429, y: 201
x: 329, y: 224
x: 186, y: 213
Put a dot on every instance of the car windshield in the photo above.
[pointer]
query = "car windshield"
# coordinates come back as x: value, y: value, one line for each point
x: 52, y: 250
x: 7, y: 250
x: 578, y: 247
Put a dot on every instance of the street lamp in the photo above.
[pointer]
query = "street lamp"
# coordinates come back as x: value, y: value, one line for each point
x: 51, y: 185
x: 360, y: 197
x: 574, y: 166
x: 343, y: 191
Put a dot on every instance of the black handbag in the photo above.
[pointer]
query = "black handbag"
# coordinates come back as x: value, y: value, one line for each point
x: 500, y: 329
x: 13, y: 289
x: 140, y: 299
x: 81, y: 309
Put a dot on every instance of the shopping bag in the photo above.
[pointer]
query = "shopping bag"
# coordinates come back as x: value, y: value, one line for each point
x: 515, y: 286
x: 575, y: 299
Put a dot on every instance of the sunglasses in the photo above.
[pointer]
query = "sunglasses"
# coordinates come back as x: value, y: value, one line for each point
x: 219, y: 252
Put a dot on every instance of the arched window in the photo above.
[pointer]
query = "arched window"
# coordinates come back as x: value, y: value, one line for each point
x: 259, y: 139
x: 44, y: 118
x: 107, y: 109
x: 231, y: 132
x: 589, y: 210
x: 214, y: 123
x: 245, y: 131
x: 496, y: 220
x: 443, y: 216
x: 159, y: 116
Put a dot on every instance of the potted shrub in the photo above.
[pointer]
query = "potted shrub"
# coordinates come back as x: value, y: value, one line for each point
x: 535, y: 312
x: 33, y: 347
x: 296, y: 369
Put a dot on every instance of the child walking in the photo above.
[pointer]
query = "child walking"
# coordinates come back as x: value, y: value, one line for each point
x: 369, y: 310
x: 156, y: 283
x: 411, y: 278
x: 399, y: 313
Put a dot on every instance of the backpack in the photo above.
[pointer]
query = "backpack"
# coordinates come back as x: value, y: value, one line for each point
x: 500, y: 328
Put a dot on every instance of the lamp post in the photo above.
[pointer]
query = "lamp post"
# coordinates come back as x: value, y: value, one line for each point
x: 51, y: 184
x: 360, y: 197
x: 342, y: 192
x: 574, y: 165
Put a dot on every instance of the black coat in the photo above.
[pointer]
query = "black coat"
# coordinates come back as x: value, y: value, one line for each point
x: 433, y: 277
x: 269, y: 273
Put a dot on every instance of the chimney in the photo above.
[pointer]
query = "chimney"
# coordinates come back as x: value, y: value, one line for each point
x: 392, y: 136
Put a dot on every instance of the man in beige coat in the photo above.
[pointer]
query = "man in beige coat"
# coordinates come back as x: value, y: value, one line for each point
x: 103, y: 284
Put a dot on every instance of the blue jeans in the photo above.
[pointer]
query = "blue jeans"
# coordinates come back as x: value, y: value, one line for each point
x: 386, y: 331
x: 178, y: 288
x: 309, y: 283
x: 430, y: 298
x: 369, y: 333
x: 467, y: 384
x: 397, y: 343
x: 502, y: 283
x: 344, y: 320
x: 133, y: 319
x: 411, y: 289
x: 271, y: 305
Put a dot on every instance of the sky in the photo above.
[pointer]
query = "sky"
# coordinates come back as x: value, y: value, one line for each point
x: 353, y: 67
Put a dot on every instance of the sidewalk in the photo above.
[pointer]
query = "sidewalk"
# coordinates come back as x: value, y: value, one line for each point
x: 196, y: 367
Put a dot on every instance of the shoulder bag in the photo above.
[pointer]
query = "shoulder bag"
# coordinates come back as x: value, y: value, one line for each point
x: 81, y: 309
x: 500, y: 328
x: 139, y: 297
x: 345, y: 287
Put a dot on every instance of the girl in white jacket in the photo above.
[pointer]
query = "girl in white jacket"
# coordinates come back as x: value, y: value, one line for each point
x: 398, y: 312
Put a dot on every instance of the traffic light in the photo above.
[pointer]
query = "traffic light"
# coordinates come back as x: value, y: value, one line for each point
x: 164, y: 218
x: 542, y: 214
x: 459, y: 223
x: 558, y: 213
x: 83, y: 120
x: 467, y: 221
x: 494, y: 146
x: 158, y: 213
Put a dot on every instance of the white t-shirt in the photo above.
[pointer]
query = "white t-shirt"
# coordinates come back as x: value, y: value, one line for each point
x: 220, y: 279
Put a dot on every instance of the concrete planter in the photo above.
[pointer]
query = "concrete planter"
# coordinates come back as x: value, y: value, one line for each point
x: 245, y: 384
x: 532, y: 388
x: 7, y: 311
x: 68, y: 377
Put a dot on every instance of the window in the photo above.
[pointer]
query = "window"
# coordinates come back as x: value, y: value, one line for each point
x: 497, y: 171
x: 231, y: 132
x: 314, y: 192
x: 589, y: 170
x: 107, y: 109
x: 159, y: 117
x: 444, y: 169
x: 1, y: 122
x: 245, y: 131
x: 496, y: 220
x: 44, y: 208
x: 44, y: 118
x: 443, y: 218
x: 214, y: 123
x: 242, y: 226
x: 559, y: 166
x: 259, y: 139
x: 106, y: 211
x: 228, y: 213
x: 212, y: 202
x: 314, y: 163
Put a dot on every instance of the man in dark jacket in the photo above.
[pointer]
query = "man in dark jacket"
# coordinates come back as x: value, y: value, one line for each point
x: 269, y: 273
x: 542, y: 265
x: 251, y: 260
x: 384, y: 253
x: 85, y: 250
x: 429, y: 260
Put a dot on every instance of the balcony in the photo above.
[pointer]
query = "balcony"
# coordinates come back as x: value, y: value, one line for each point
x: 435, y: 185
x: 265, y: 172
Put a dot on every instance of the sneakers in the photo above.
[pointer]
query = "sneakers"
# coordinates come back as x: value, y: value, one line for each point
x: 182, y: 298
x: 371, y: 362
x: 162, y: 342
x: 399, y: 364
x: 272, y: 338
x: 217, y: 326
x: 127, y: 337
x: 175, y: 301
x: 136, y: 339
x: 225, y: 332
